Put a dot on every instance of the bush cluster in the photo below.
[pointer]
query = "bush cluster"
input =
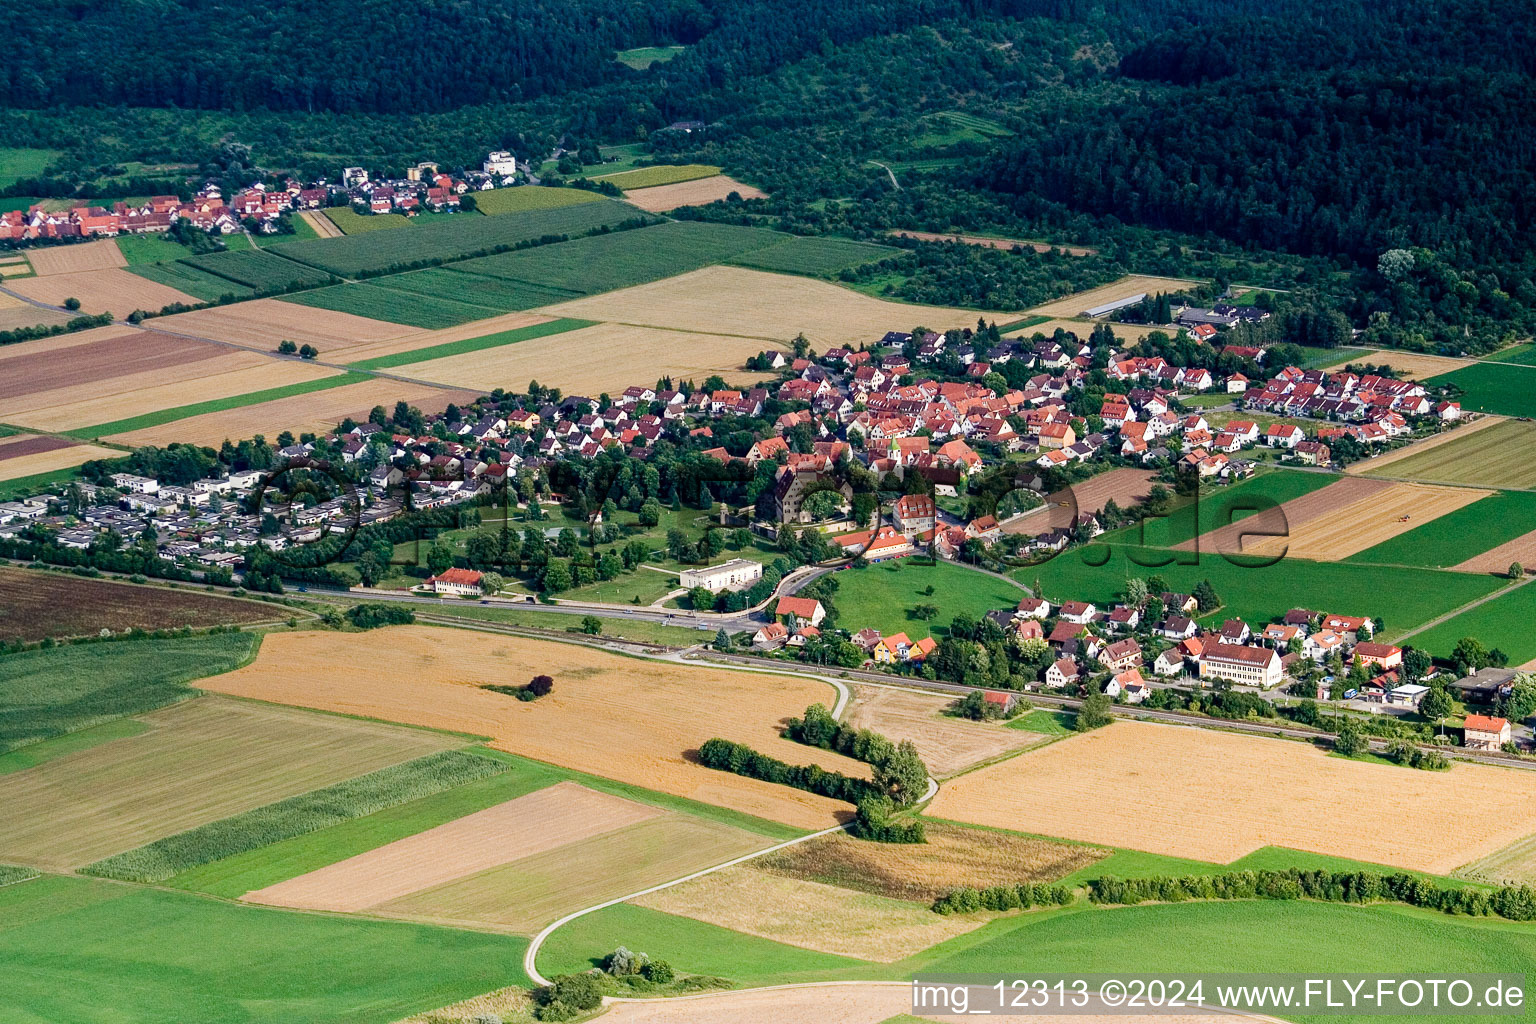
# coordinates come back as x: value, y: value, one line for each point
x: 740, y: 759
x: 1003, y: 897
x: 1513, y: 902
x: 372, y: 616
x: 874, y: 822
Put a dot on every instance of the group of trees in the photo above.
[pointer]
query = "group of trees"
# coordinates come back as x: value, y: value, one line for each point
x: 899, y: 773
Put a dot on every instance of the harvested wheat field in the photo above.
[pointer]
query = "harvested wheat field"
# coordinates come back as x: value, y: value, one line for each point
x: 49, y: 460
x: 545, y: 820
x: 101, y: 291
x: 72, y: 259
x: 202, y: 760
x: 1282, y: 521
x: 24, y: 315
x: 1513, y: 865
x: 798, y: 913
x: 1128, y: 334
x: 607, y: 357
x: 18, y: 445
x: 1126, y: 487
x: 1214, y: 796
x: 947, y: 744
x: 1425, y: 460
x: 953, y: 856
x: 757, y: 304
x: 262, y: 323
x: 622, y: 718
x: 420, y: 339
x: 318, y: 411
x: 26, y: 350
x: 1413, y: 365
x: 863, y: 1002
x: 1132, y: 284
x: 323, y: 225
x: 994, y: 243
x: 661, y: 198
x: 1521, y: 549
x: 1346, y: 529
x: 525, y: 894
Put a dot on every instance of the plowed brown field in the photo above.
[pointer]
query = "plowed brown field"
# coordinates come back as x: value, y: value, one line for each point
x: 1214, y: 796
x: 1125, y: 486
x: 628, y: 719
x: 123, y: 353
x: 1521, y: 549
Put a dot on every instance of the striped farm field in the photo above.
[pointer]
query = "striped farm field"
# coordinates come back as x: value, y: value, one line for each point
x: 525, y: 894
x: 601, y: 263
x: 259, y: 270
x: 1218, y: 509
x: 454, y: 238
x: 23, y: 315
x: 815, y: 257
x: 40, y: 467
x: 560, y: 816
x: 194, y: 281
x: 73, y: 259
x: 598, y: 358
x: 1484, y: 536
x: 320, y: 224
x: 621, y: 718
x: 113, y: 290
x: 40, y: 604
x: 262, y: 324
x: 376, y: 302
x: 661, y: 174
x: 1490, y: 452
x: 752, y: 303
x: 312, y: 410
x: 698, y: 192
x: 1132, y: 284
x: 497, y: 201
x: 491, y: 293
x: 1076, y: 789
x: 201, y: 760
x: 412, y: 339
x: 1411, y: 365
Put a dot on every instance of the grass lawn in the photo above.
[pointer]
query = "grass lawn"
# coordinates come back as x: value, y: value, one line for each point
x: 139, y: 249
x: 181, y: 412
x: 1403, y: 598
x: 689, y: 945
x: 1321, y: 358
x: 1219, y: 506
x: 1264, y: 421
x: 882, y: 596
x: 353, y: 223
x: 1504, y: 623
x: 1024, y: 323
x: 1460, y: 535
x: 1494, y: 387
x: 301, y: 229
x: 642, y: 57
x: 1207, y: 401
x: 1525, y: 354
x: 645, y: 584
x: 49, y: 693
x: 454, y: 348
x: 22, y: 486
x: 531, y: 197
x: 94, y: 952
x: 24, y: 163
x: 1049, y: 723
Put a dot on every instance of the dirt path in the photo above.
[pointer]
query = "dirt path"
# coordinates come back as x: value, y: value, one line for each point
x: 323, y: 225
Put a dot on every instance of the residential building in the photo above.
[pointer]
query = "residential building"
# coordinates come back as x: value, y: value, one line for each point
x: 732, y: 575
x: 1485, y: 732
x: 1245, y: 666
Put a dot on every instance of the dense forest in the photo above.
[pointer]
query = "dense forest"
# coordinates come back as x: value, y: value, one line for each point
x: 1373, y: 157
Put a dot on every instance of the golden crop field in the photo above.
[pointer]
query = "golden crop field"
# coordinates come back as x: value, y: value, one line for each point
x: 947, y: 744
x: 262, y: 323
x: 119, y: 398
x: 1132, y: 284
x: 547, y: 819
x: 202, y: 760
x: 1490, y: 452
x: 1214, y: 796
x: 590, y: 360
x: 1345, y: 529
x: 318, y: 411
x: 110, y: 290
x: 1244, y: 535
x: 758, y: 304
x: 71, y: 259
x: 661, y: 198
x: 634, y: 720
x: 1413, y: 365
x: 36, y: 462
x: 811, y: 915
x: 525, y: 894
x: 415, y: 339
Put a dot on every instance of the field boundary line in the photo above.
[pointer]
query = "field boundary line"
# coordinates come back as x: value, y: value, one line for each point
x: 1454, y: 612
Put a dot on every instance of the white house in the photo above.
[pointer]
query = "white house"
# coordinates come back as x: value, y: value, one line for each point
x: 732, y: 575
x: 500, y: 162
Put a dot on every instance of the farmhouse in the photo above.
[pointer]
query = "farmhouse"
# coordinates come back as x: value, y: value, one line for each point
x: 1063, y: 674
x: 1247, y: 666
x: 1078, y: 612
x: 732, y: 575
x: 801, y: 609
x: 459, y: 582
